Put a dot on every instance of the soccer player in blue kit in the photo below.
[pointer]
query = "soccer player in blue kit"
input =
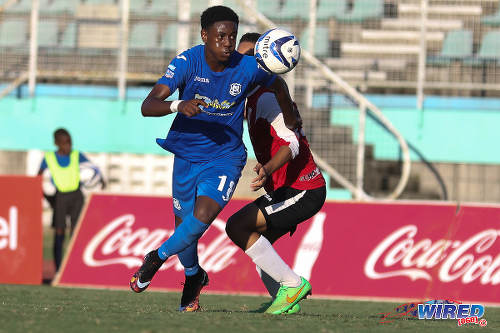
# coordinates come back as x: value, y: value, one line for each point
x: 206, y: 139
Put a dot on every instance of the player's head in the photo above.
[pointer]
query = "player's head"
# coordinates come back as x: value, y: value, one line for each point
x: 247, y: 43
x: 62, y: 139
x: 219, y: 28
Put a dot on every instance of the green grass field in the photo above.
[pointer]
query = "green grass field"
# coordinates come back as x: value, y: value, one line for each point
x: 49, y: 309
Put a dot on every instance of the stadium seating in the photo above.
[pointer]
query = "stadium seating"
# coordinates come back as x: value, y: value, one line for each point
x: 68, y: 39
x: 493, y: 20
x: 197, y: 7
x: 102, y: 2
x: 13, y: 33
x: 457, y: 46
x: 235, y: 5
x: 490, y: 46
x: 58, y: 7
x: 290, y: 10
x: 169, y: 38
x: 143, y: 36
x: 21, y: 6
x: 328, y: 9
x: 363, y: 10
x: 154, y: 8
x: 321, y: 41
x: 267, y: 6
x: 48, y: 33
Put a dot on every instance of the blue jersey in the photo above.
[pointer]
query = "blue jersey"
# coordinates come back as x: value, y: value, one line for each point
x: 217, y: 131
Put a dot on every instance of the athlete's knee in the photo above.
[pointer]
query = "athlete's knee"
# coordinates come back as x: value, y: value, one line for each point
x: 206, y: 209
x: 231, y: 229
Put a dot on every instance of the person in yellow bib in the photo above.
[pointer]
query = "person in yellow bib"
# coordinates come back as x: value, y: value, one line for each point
x: 64, y: 167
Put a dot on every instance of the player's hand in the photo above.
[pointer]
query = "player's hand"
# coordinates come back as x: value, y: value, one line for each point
x: 192, y: 107
x: 261, y: 178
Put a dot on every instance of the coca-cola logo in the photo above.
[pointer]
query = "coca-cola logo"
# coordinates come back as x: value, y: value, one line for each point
x: 454, y: 259
x: 117, y: 243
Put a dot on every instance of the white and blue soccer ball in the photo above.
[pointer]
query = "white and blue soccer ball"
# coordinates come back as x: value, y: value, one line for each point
x: 277, y: 51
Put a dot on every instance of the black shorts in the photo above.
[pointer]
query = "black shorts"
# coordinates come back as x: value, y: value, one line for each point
x: 66, y: 204
x: 286, y: 207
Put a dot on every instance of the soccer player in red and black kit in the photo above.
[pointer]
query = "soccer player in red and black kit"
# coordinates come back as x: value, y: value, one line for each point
x: 295, y: 189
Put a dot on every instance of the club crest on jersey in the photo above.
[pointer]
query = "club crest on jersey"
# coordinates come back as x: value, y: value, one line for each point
x: 169, y: 74
x: 235, y: 89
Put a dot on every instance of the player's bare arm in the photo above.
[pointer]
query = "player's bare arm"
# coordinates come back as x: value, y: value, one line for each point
x: 280, y: 89
x: 283, y: 155
x: 155, y: 105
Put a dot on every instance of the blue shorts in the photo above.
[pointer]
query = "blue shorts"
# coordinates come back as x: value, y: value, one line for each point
x: 216, y: 179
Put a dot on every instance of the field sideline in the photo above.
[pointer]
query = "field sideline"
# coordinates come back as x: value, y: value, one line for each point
x: 49, y: 309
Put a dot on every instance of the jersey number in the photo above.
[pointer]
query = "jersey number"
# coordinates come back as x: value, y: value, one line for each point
x: 222, y: 183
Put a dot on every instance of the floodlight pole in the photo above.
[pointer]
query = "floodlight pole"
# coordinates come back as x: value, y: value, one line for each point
x: 123, y: 60
x: 313, y: 4
x: 183, y: 19
x: 35, y: 5
x: 422, y: 54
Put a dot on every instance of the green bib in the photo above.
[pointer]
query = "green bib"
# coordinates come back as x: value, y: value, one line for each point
x: 66, y: 179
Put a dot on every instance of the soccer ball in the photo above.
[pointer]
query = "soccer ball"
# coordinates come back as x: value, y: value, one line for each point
x: 277, y: 51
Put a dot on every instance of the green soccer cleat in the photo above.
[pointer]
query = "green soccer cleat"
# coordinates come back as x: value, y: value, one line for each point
x: 287, y: 297
x: 293, y: 310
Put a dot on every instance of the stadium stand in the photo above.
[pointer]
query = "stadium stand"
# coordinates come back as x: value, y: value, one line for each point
x: 21, y: 6
x: 363, y: 10
x: 13, y: 33
x: 321, y: 41
x: 48, y: 34
x: 291, y: 9
x: 458, y: 45
x: 58, y: 7
x: 144, y: 36
x: 493, y: 20
x: 328, y: 9
x: 490, y: 46
x: 68, y: 39
x: 197, y: 7
x: 169, y: 38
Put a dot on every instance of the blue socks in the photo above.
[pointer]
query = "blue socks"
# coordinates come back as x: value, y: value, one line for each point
x: 184, y: 237
x: 189, y: 259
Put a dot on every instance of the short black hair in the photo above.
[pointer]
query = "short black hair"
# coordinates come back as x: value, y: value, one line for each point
x: 217, y: 14
x: 251, y: 37
x: 60, y: 132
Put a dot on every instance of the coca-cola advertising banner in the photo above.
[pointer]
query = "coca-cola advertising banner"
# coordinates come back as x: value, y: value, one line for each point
x: 20, y: 230
x: 348, y: 250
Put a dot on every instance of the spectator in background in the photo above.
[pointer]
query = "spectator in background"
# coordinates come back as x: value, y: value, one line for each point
x: 64, y: 168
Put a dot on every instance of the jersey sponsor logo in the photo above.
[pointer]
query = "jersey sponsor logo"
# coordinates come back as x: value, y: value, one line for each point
x: 224, y: 105
x: 169, y: 74
x: 201, y: 79
x: 235, y: 89
x: 181, y: 57
x: 309, y: 176
x: 177, y: 204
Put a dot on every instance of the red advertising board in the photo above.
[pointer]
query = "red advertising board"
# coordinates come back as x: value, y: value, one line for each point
x: 348, y: 250
x: 20, y: 230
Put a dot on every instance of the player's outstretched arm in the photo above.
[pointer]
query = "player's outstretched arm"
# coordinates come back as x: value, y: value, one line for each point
x: 155, y: 105
x: 280, y: 89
